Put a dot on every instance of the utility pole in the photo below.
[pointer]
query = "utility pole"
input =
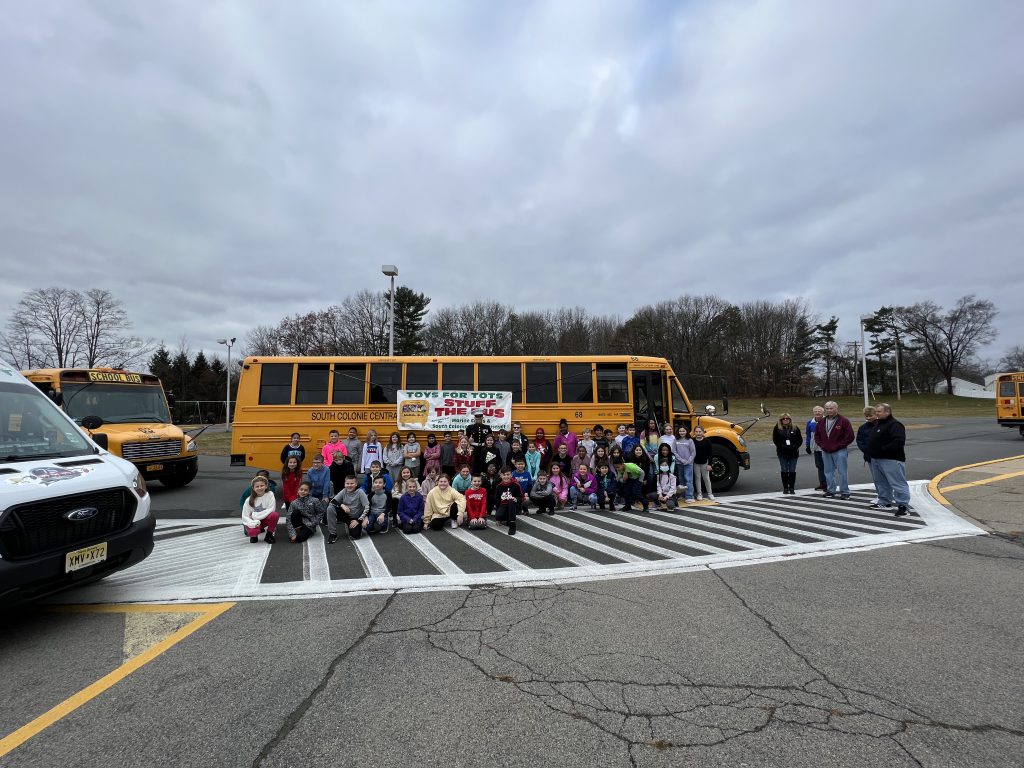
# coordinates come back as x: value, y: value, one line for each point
x: 227, y: 390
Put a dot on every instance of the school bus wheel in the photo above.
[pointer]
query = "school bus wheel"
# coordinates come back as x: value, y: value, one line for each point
x: 724, y: 467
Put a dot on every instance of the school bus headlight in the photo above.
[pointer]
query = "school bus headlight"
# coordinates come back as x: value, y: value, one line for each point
x: 139, y: 486
x: 741, y: 440
x: 191, y: 447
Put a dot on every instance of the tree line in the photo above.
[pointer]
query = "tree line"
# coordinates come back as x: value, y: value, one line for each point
x: 760, y: 348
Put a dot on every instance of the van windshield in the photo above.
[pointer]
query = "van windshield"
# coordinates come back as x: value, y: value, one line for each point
x: 116, y: 403
x: 32, y: 428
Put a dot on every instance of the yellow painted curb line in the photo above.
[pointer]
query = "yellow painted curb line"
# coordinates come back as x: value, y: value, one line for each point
x: 87, y: 694
x: 986, y: 481
x: 933, y: 485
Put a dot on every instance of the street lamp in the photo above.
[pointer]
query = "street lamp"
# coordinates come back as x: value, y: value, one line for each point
x: 864, y: 357
x: 227, y: 390
x: 391, y: 271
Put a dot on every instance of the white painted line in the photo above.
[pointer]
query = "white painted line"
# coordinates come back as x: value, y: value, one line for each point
x: 723, y: 511
x: 852, y: 517
x: 488, y: 551
x: 757, y: 511
x: 316, y: 551
x: 373, y: 563
x: 722, y: 526
x: 659, y: 520
x: 656, y: 533
x: 435, y: 556
x: 594, y: 545
x: 669, y: 553
x: 555, y: 550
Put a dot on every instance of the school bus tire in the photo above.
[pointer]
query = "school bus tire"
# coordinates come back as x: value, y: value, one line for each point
x: 723, y: 466
x: 1021, y: 428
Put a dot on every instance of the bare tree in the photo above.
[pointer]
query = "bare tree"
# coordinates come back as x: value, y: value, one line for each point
x: 262, y: 341
x: 1013, y: 360
x: 104, y: 340
x: 366, y: 315
x: 950, y: 338
x: 49, y: 321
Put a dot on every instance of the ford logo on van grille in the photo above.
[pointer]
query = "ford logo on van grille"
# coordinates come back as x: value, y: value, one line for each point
x: 81, y: 514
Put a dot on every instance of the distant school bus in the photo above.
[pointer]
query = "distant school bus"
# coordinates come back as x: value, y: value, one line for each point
x: 136, y: 421
x: 1010, y: 400
x: 313, y: 395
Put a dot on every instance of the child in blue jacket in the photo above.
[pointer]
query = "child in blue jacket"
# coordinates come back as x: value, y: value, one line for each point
x: 410, y: 508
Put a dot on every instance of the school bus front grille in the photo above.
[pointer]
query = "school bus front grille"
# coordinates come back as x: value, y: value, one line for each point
x: 153, y: 449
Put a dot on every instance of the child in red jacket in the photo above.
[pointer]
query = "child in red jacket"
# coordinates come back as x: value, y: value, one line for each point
x: 476, y: 503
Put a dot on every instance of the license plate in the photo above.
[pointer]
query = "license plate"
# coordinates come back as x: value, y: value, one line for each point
x: 83, y: 558
x: 154, y: 467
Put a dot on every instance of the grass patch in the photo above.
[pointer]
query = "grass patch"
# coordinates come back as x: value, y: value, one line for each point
x: 212, y: 443
x: 912, y: 406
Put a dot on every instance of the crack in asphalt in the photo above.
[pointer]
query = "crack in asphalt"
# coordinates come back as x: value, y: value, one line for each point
x: 650, y: 706
x: 295, y: 716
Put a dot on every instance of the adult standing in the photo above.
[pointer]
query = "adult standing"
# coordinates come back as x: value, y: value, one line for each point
x: 833, y: 434
x: 477, y: 431
x: 819, y: 463
x: 863, y: 435
x: 786, y: 437
x: 887, y: 446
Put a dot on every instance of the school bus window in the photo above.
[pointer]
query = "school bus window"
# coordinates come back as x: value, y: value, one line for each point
x: 679, y: 404
x: 577, y: 386
x: 1006, y: 389
x: 541, y: 383
x: 349, y: 385
x: 457, y: 376
x: 503, y: 377
x: 421, y: 376
x: 276, y: 383
x: 311, y: 385
x: 612, y: 383
x: 385, y: 381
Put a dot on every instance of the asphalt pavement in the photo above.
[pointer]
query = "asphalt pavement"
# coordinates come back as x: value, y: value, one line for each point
x: 903, y: 655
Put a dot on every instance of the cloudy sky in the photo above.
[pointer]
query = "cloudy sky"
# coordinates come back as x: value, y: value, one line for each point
x: 218, y: 165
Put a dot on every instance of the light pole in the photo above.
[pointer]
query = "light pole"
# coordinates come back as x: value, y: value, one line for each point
x: 391, y: 271
x: 227, y: 389
x: 864, y: 358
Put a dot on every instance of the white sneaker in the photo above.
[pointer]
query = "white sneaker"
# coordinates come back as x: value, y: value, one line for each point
x: 711, y: 497
x: 699, y: 497
x: 689, y: 501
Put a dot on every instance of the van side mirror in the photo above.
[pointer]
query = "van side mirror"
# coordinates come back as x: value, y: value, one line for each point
x: 92, y: 422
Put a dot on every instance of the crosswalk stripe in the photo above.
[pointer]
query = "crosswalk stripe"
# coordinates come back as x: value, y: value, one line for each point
x: 774, y: 514
x: 669, y: 553
x: 553, y: 549
x: 652, y: 516
x: 655, y: 532
x: 627, y: 557
x: 890, y: 524
x: 723, y: 511
x: 316, y: 554
x: 487, y: 550
x: 436, y: 557
x: 745, y: 532
x: 372, y: 562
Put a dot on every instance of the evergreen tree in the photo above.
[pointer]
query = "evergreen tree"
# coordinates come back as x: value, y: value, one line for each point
x: 410, y: 328
x: 824, y: 340
x: 179, y: 379
x: 160, y: 364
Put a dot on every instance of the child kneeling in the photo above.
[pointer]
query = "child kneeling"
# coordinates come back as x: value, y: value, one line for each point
x: 304, y: 514
x: 476, y: 503
x: 410, y: 508
x: 665, y: 489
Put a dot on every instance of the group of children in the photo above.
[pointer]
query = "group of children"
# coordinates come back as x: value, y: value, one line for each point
x: 464, y: 478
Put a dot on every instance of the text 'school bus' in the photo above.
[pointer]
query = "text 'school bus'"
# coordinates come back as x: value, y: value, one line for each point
x: 1010, y: 400
x: 312, y: 395
x: 136, y: 423
x: 70, y: 512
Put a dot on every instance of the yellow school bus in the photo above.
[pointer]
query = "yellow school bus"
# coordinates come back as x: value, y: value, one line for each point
x: 135, y: 421
x: 313, y: 395
x: 1010, y: 400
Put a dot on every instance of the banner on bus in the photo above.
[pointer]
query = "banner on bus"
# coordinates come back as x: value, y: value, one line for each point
x: 451, y: 410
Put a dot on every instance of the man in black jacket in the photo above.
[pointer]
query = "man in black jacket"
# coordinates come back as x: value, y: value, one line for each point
x: 888, y: 459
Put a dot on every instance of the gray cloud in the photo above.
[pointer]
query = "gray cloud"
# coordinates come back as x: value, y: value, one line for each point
x: 223, y: 167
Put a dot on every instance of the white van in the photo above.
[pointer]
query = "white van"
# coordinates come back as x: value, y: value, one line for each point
x: 70, y: 512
